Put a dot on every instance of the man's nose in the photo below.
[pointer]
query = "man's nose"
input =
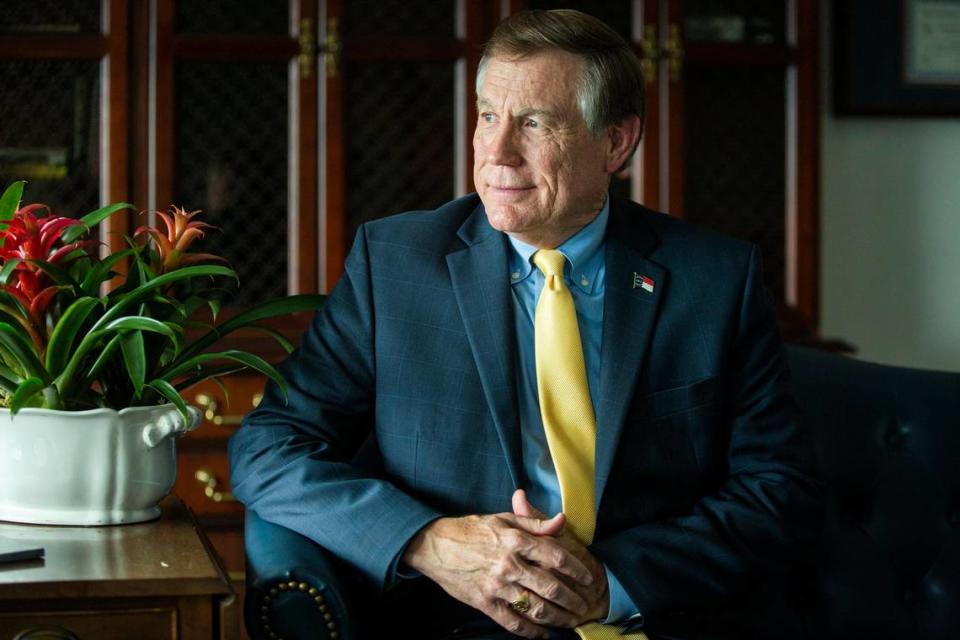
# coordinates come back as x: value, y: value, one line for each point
x: 503, y: 147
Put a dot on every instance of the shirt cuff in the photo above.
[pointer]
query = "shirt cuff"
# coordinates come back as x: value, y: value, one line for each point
x: 621, y: 605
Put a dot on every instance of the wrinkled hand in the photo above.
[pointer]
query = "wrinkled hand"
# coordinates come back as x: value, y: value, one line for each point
x: 596, y: 593
x: 489, y: 561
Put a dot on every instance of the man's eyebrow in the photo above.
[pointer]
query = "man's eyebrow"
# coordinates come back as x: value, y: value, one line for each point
x: 523, y: 113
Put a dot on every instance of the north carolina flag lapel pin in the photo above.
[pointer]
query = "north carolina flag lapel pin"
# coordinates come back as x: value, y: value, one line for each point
x: 644, y: 282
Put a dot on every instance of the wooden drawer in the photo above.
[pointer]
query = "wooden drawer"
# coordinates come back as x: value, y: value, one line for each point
x: 222, y: 412
x: 143, y: 624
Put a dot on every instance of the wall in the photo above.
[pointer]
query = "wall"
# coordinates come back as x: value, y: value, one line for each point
x: 890, y: 233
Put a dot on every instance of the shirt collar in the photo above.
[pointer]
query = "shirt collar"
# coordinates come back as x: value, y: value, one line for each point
x: 583, y: 250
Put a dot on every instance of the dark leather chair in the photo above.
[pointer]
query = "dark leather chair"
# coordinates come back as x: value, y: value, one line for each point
x: 887, y: 564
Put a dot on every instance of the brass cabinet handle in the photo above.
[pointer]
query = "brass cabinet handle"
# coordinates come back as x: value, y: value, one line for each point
x: 46, y: 633
x: 308, y: 47
x: 209, y: 405
x: 332, y: 47
x: 648, y: 46
x: 206, y: 477
x: 673, y: 49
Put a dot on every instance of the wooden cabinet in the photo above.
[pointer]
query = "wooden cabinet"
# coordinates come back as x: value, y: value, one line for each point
x: 155, y: 580
x: 291, y: 123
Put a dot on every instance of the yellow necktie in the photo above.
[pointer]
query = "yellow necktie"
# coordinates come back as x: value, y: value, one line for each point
x: 566, y: 409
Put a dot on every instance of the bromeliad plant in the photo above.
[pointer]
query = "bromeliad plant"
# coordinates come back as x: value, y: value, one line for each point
x: 66, y: 345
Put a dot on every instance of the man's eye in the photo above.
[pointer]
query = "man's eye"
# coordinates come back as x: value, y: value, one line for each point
x: 487, y: 117
x: 533, y: 124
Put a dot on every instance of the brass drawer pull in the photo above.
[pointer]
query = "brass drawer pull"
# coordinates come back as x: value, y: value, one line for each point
x: 209, y: 481
x: 46, y: 633
x: 209, y: 405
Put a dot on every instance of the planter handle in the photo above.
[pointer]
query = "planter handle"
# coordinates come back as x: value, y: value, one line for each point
x: 170, y: 424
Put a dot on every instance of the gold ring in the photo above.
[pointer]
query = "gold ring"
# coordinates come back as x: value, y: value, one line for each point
x: 521, y: 604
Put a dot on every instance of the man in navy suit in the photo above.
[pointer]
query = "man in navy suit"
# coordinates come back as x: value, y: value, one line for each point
x: 702, y: 488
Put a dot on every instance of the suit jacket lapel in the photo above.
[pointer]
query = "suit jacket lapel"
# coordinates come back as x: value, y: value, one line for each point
x: 629, y: 315
x: 480, y: 277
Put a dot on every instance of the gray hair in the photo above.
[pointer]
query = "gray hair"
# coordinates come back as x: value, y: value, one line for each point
x: 612, y: 84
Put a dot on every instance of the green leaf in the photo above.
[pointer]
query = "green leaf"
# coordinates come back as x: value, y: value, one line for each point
x: 135, y: 359
x: 141, y: 323
x: 8, y: 374
x: 22, y: 350
x: 247, y: 359
x: 16, y: 321
x: 8, y: 267
x: 276, y: 335
x: 10, y: 200
x: 96, y: 275
x: 102, y: 359
x: 65, y: 332
x: 11, y: 363
x: 178, y: 306
x: 26, y: 390
x: 269, y: 309
x: 91, y: 220
x: 167, y: 391
x: 57, y: 274
x: 213, y: 375
x: 214, y: 308
x: 12, y: 305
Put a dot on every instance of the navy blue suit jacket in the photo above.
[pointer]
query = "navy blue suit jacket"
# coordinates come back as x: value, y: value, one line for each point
x: 701, y: 471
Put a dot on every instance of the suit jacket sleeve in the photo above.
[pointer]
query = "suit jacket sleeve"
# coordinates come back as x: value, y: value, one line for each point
x: 766, y: 509
x: 291, y: 461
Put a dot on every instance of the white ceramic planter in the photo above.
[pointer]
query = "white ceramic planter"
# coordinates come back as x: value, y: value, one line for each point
x: 88, y: 467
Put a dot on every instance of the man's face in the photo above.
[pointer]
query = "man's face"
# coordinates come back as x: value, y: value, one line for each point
x: 541, y: 173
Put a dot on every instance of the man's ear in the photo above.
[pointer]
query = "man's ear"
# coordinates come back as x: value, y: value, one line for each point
x: 624, y: 137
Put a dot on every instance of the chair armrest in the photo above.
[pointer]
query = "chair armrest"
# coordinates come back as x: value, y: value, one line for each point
x: 293, y: 587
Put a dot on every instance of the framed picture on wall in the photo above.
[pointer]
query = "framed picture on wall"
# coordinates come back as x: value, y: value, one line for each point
x: 896, y: 57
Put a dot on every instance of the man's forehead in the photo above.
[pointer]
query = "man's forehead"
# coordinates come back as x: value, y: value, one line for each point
x: 546, y: 80
x: 542, y: 66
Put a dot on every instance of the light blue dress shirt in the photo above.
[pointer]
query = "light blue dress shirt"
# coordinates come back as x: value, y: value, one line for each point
x: 584, y: 275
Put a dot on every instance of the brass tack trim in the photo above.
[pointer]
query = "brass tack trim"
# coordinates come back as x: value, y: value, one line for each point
x: 303, y: 587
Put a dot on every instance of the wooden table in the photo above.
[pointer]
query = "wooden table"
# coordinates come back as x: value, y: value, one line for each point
x: 156, y: 580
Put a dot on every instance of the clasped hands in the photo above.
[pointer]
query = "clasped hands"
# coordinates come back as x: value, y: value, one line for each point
x: 489, y: 561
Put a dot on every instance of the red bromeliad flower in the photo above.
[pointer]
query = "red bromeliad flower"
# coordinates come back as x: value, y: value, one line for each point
x: 29, y: 237
x: 179, y: 233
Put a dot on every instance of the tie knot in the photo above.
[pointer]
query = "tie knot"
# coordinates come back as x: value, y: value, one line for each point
x: 550, y: 262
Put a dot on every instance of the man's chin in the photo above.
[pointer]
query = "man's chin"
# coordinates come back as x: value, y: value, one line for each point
x: 504, y: 218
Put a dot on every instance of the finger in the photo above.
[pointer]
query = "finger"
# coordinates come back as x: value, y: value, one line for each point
x: 522, y: 506
x: 545, y: 552
x: 545, y: 612
x: 540, y: 526
x: 501, y: 613
x: 546, y: 587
